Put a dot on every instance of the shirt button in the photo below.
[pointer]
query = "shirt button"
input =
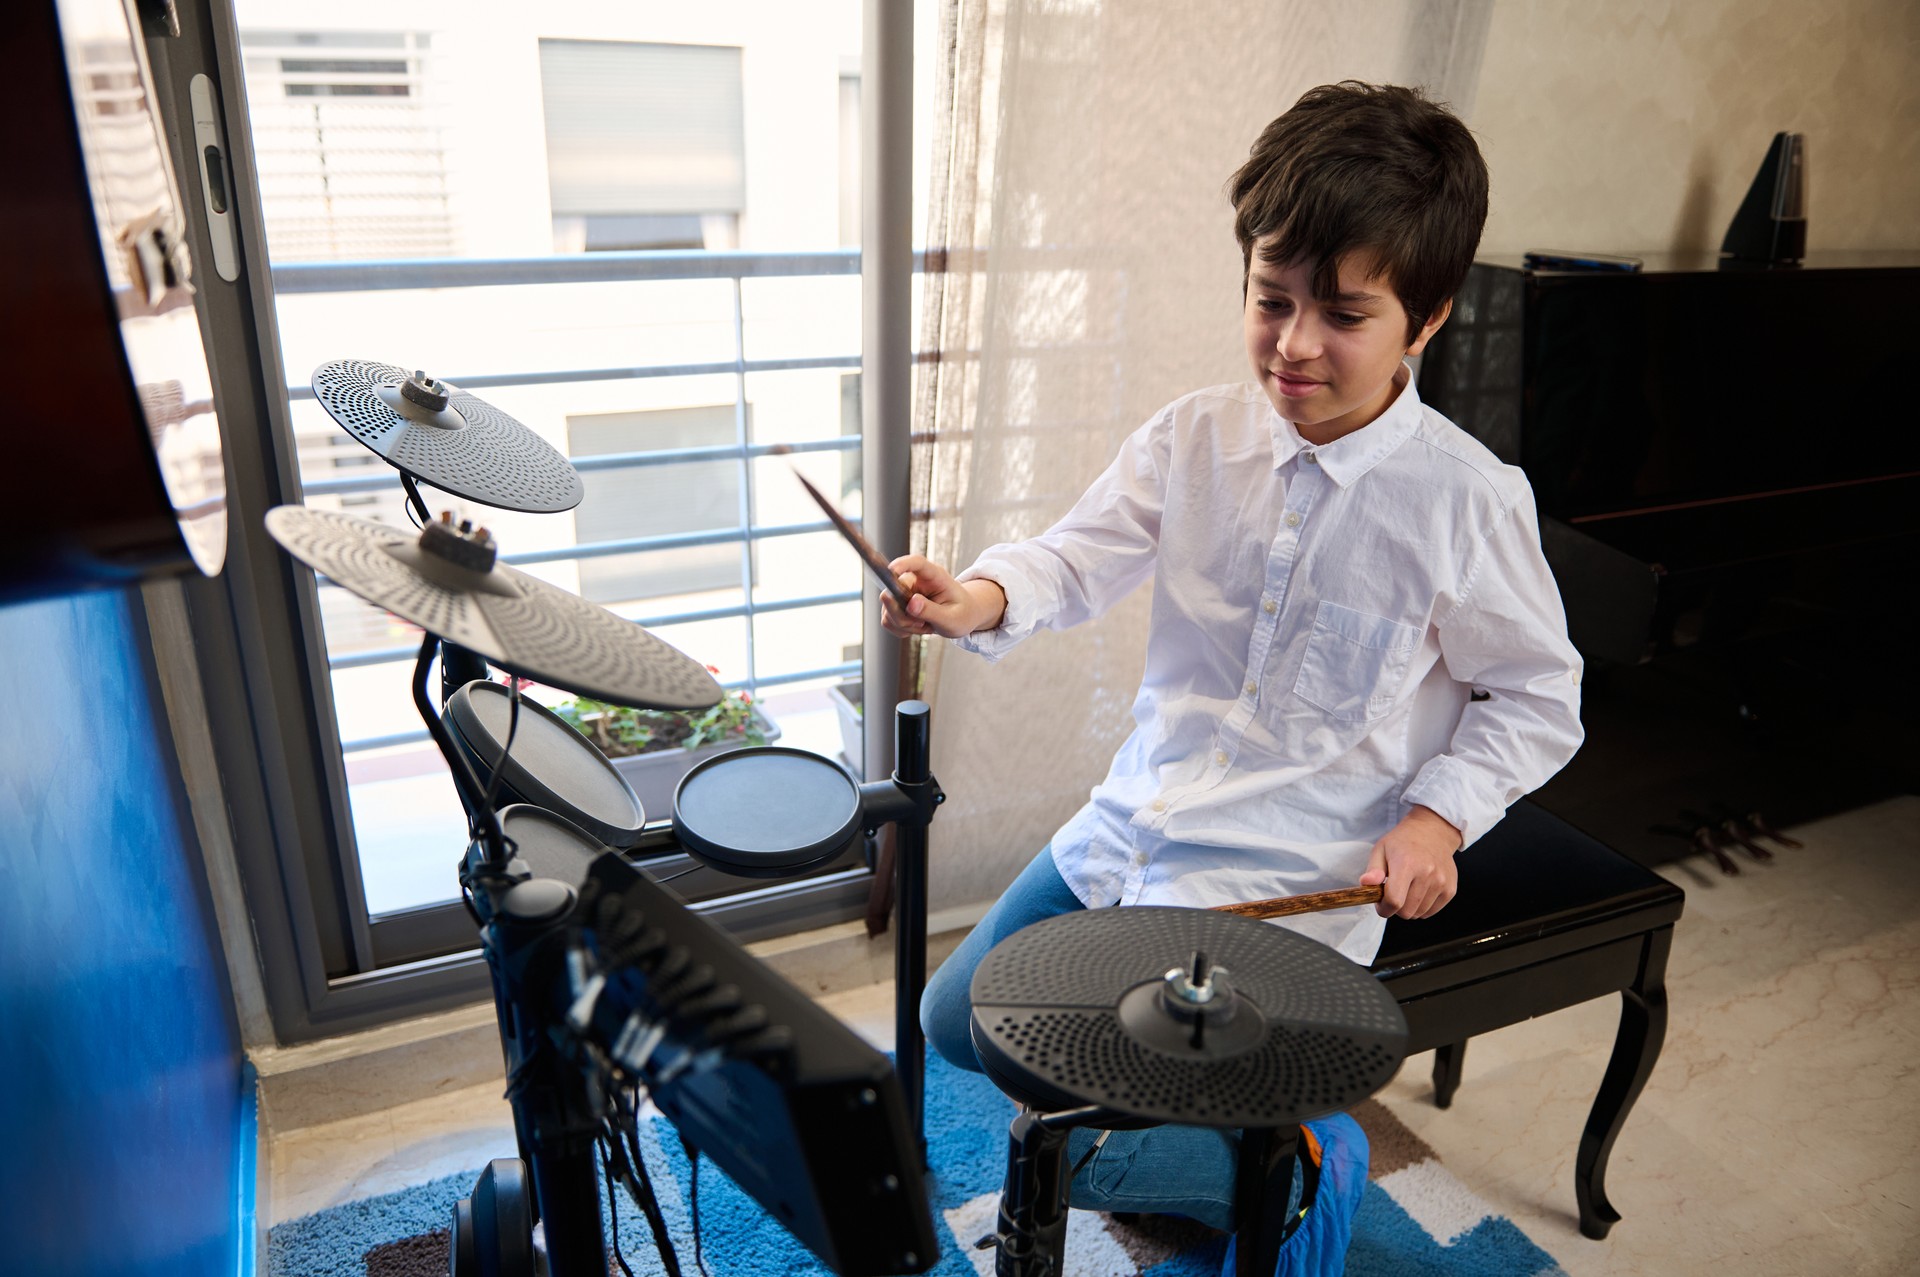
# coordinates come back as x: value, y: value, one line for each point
x: 1220, y: 756
x: 1313, y: 458
x: 1269, y: 606
x: 1293, y: 518
x: 1251, y: 688
x: 1140, y: 858
x: 1159, y: 804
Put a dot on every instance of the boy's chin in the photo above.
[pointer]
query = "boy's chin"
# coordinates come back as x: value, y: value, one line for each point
x: 1301, y: 410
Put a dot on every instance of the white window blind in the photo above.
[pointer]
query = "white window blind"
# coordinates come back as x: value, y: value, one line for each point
x: 643, y: 128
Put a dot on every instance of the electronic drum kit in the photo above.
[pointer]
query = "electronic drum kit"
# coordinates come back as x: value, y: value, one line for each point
x: 1106, y: 1018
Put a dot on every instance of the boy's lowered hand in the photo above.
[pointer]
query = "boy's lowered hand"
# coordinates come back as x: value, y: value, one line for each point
x: 1413, y: 865
x: 940, y: 605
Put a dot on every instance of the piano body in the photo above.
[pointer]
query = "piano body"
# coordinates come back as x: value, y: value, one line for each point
x: 1714, y: 451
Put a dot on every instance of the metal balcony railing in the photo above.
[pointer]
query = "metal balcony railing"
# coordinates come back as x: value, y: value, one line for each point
x: 613, y: 267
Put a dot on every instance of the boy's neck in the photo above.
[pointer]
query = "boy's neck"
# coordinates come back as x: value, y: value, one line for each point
x: 1326, y: 432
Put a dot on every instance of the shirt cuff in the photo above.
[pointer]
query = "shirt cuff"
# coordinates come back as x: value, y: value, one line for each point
x: 1017, y: 623
x: 1458, y: 794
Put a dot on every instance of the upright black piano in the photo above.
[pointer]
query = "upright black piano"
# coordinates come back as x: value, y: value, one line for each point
x: 1685, y: 424
x: 1727, y: 467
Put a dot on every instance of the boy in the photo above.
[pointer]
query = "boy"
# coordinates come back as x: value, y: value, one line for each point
x: 1357, y: 657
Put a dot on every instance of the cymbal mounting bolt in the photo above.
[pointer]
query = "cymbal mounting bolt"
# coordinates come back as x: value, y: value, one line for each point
x: 425, y: 391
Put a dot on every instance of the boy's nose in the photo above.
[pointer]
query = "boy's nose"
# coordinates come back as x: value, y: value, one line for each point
x: 1296, y: 342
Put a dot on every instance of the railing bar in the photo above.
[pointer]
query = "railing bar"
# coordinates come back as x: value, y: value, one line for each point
x: 842, y: 670
x: 587, y: 268
x: 723, y: 613
x: 711, y: 368
x: 639, y: 545
x: 388, y: 741
x: 382, y: 478
x: 389, y: 655
x: 581, y: 268
x: 723, y: 536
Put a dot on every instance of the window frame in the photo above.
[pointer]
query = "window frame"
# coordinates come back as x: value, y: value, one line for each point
x: 255, y: 636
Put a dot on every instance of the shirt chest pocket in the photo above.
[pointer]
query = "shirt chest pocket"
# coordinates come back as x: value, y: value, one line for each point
x: 1355, y: 663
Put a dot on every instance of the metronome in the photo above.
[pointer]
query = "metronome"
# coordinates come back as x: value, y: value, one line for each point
x: 1771, y: 226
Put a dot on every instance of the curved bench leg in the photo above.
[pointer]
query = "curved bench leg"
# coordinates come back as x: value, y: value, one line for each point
x: 1643, y: 1027
x: 1446, y: 1071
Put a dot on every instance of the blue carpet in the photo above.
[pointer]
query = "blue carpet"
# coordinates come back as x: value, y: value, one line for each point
x: 1415, y: 1219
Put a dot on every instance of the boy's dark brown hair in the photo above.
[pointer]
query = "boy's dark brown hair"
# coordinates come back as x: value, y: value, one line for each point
x: 1377, y: 168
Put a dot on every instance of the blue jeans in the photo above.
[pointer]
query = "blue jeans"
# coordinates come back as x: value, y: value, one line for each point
x: 1165, y: 1170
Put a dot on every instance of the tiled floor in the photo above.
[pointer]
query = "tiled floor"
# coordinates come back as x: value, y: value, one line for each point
x: 1777, y: 1135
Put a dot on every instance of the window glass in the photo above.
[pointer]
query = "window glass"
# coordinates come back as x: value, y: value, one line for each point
x: 481, y: 156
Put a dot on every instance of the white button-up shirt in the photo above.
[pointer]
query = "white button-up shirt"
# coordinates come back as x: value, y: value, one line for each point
x: 1338, y: 632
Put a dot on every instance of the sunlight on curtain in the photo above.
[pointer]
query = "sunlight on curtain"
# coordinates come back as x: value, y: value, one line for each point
x: 1091, y: 275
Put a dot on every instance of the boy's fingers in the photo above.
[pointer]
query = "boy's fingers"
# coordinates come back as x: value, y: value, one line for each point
x: 1376, y: 876
x: 896, y: 622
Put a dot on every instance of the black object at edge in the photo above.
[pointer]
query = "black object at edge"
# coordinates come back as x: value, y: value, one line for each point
x: 1759, y: 232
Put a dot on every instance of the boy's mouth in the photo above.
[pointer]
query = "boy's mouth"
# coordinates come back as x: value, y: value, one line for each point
x: 1295, y: 387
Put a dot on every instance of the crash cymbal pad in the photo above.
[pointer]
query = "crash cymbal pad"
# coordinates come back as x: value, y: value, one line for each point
x: 446, y: 437
x: 448, y: 581
x: 1182, y: 1015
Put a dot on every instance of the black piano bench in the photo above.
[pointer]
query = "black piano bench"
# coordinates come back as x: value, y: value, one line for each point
x: 1545, y: 918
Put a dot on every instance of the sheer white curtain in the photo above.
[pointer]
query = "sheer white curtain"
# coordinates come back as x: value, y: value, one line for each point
x: 1091, y: 275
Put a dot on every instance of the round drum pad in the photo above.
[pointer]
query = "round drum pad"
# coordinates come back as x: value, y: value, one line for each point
x: 549, y: 765
x: 468, y: 448
x: 766, y: 812
x: 552, y: 846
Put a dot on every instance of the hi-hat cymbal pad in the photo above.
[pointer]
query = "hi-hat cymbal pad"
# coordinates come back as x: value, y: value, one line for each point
x: 518, y: 622
x: 444, y: 436
x: 1088, y: 1009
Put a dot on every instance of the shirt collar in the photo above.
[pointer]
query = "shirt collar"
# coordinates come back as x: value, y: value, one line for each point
x: 1350, y: 456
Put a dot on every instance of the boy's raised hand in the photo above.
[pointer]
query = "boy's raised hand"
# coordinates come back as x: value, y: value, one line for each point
x: 1413, y: 866
x: 940, y: 605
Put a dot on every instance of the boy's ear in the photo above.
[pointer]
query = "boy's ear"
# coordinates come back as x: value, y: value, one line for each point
x: 1432, y: 326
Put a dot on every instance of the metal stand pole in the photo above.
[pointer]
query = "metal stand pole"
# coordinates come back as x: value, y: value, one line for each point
x: 1263, y: 1183
x: 553, y: 1110
x: 1032, y: 1235
x: 911, y: 772
x: 458, y: 666
x: 907, y: 801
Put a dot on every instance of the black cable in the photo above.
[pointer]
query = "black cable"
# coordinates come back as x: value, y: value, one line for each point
x: 693, y: 1206
x: 1087, y: 1156
x: 466, y: 898
x: 613, y: 1208
x: 513, y: 726
x: 648, y: 1202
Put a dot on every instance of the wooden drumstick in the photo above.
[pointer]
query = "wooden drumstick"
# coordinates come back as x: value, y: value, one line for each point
x: 1288, y: 906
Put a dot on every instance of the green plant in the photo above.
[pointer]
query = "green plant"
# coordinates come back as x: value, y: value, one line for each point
x: 620, y: 730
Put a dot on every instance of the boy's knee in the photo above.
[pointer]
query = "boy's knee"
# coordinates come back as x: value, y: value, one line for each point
x: 945, y: 1017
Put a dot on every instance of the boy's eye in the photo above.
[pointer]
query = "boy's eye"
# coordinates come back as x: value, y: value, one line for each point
x: 1272, y: 305
x: 1347, y: 319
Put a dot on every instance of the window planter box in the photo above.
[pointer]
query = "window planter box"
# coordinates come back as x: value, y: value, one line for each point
x: 655, y: 776
x: 846, y: 698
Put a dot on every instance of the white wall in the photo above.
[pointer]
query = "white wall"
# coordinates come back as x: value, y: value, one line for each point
x: 1637, y: 125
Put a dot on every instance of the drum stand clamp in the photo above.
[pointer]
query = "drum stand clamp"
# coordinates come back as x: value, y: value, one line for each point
x: 1030, y: 1232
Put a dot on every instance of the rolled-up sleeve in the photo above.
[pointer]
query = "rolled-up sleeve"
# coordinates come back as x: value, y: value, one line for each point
x: 1097, y: 554
x: 1507, y: 640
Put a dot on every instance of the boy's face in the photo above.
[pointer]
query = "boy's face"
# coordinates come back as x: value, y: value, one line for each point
x: 1327, y: 366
